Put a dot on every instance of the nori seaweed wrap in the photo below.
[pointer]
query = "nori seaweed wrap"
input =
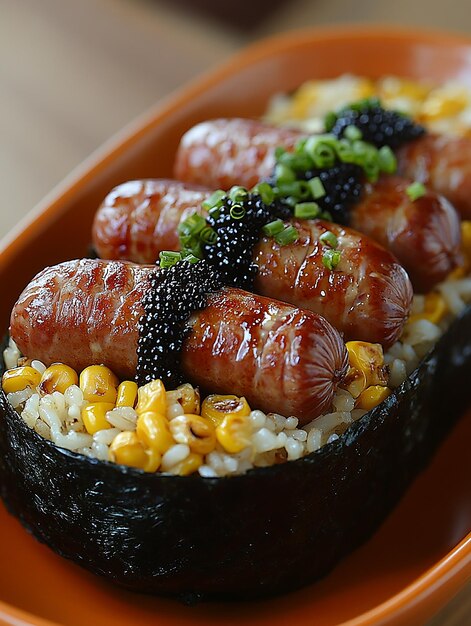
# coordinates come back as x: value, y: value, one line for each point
x: 202, y: 537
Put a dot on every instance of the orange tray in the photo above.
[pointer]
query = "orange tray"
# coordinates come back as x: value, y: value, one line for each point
x: 421, y: 556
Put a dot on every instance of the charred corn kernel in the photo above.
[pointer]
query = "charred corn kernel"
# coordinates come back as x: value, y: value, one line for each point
x: 153, y: 431
x: 189, y: 399
x: 152, y: 397
x: 57, y: 377
x: 444, y: 103
x: 354, y: 382
x: 435, y: 309
x: 234, y: 433
x: 127, y: 394
x: 371, y: 397
x: 189, y: 465
x: 94, y: 416
x: 369, y: 359
x: 216, y: 407
x: 19, y: 378
x: 126, y: 449
x: 197, y: 432
x: 98, y: 384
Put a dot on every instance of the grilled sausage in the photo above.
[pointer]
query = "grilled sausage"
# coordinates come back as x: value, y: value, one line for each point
x: 386, y: 214
x: 140, y: 218
x: 280, y: 358
x: 444, y: 164
x: 363, y: 264
x: 423, y: 234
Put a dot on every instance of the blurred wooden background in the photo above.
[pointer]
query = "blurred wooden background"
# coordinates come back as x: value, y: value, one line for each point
x: 73, y: 73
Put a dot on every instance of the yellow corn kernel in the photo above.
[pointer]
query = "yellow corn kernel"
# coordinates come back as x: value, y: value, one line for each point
x: 189, y: 399
x: 234, y: 433
x: 19, y: 378
x: 435, y: 308
x: 94, y: 416
x: 127, y: 394
x: 153, y: 431
x: 392, y: 87
x: 189, y: 465
x: 57, y: 377
x: 354, y: 382
x: 457, y: 273
x: 98, y: 384
x: 151, y: 397
x: 196, y: 431
x: 444, y: 104
x: 126, y: 449
x: 369, y: 359
x: 371, y: 397
x: 216, y: 407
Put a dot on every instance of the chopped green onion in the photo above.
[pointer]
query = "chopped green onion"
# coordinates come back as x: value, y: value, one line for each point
x: 331, y: 258
x: 325, y: 215
x: 238, y: 194
x: 279, y: 151
x: 416, y: 190
x: 214, y: 200
x: 208, y: 236
x: 265, y: 191
x: 306, y: 210
x: 387, y: 160
x: 192, y: 225
x: 167, y: 258
x: 273, y: 228
x: 286, y: 236
x: 214, y: 212
x: 316, y: 187
x: 321, y: 150
x: 191, y: 258
x: 237, y: 212
x: 329, y: 120
x: 329, y: 239
x: 345, y: 151
x: 353, y: 133
x: 297, y: 189
x: 284, y: 174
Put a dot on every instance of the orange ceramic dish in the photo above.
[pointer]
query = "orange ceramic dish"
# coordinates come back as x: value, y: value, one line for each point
x: 421, y: 556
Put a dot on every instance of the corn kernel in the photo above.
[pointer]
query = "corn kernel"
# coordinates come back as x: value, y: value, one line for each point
x: 371, y: 397
x: 466, y: 241
x: 94, y: 416
x: 153, y: 431
x: 195, y: 431
x: 57, y: 377
x: 368, y: 358
x: 127, y: 394
x: 98, y: 384
x: 189, y: 465
x: 216, y: 407
x: 234, y: 433
x: 20, y: 378
x: 189, y: 399
x: 435, y: 308
x: 354, y: 382
x: 126, y: 449
x: 444, y: 104
x: 152, y: 397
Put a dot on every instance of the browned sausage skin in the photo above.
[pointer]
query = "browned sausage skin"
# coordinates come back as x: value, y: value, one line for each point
x: 139, y: 218
x: 279, y: 357
x: 444, y: 164
x: 424, y: 234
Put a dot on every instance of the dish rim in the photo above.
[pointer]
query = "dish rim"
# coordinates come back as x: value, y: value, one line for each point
x: 439, y: 582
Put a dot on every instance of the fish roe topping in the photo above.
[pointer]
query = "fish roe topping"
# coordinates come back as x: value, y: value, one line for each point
x: 175, y: 293
x: 379, y: 126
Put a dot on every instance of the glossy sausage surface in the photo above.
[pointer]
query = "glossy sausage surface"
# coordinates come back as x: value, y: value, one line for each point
x: 444, y: 164
x: 424, y: 234
x: 280, y: 358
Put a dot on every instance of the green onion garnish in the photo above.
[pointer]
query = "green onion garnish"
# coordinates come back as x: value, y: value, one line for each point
x: 237, y: 212
x: 284, y: 174
x: 353, y: 133
x: 331, y: 258
x: 306, y: 210
x: 167, y: 258
x: 192, y: 225
x: 316, y: 187
x: 286, y: 236
x: 265, y: 191
x: 214, y: 212
x: 387, y: 160
x: 191, y: 258
x: 273, y: 228
x: 214, y: 200
x: 416, y: 190
x: 208, y: 236
x: 329, y: 239
x: 238, y: 194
